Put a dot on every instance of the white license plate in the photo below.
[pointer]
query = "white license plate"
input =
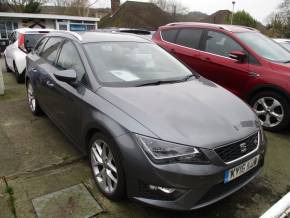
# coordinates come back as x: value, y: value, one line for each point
x: 237, y: 171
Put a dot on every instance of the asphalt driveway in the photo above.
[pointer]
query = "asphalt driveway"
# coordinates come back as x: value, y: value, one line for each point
x: 36, y: 160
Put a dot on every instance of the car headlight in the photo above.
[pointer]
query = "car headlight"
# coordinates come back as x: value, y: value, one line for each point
x: 163, y: 152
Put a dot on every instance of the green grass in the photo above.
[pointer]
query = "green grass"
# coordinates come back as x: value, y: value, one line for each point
x: 11, y: 200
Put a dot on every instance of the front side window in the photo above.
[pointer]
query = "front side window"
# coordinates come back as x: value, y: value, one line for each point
x: 169, y: 35
x: 220, y: 44
x: 50, y: 49
x: 12, y: 38
x: 265, y: 46
x: 69, y: 59
x: 189, y: 38
x: 133, y: 63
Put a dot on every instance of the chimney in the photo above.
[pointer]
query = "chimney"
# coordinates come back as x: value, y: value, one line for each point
x: 115, y: 4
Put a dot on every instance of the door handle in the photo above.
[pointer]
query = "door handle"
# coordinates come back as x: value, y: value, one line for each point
x: 206, y: 59
x: 34, y: 70
x: 49, y: 83
x: 253, y: 74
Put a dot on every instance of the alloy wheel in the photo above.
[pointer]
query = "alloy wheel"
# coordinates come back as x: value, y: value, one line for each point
x: 104, y: 166
x: 31, y: 97
x: 270, y: 111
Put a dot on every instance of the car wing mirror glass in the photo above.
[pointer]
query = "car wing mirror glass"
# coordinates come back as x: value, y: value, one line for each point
x: 68, y: 76
x: 240, y: 56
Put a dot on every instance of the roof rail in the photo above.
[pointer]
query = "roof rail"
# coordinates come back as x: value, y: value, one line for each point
x: 179, y: 23
x: 250, y: 28
x: 224, y: 27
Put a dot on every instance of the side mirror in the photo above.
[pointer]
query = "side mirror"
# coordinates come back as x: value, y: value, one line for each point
x: 240, y: 56
x: 68, y: 76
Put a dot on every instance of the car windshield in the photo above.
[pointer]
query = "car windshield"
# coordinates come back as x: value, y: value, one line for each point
x: 134, y: 64
x: 265, y: 46
x: 286, y: 45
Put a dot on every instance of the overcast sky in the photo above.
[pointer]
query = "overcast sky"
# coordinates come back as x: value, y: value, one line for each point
x: 260, y: 9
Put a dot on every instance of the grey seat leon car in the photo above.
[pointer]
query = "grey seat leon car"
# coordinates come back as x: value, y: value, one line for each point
x: 154, y: 131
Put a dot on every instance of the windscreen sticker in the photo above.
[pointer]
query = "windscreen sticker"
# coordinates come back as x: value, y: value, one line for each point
x: 124, y: 75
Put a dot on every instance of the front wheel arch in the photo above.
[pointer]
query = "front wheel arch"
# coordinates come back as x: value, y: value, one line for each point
x: 265, y: 88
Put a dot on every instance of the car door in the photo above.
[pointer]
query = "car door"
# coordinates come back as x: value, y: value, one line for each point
x: 217, y: 64
x: 68, y: 97
x: 44, y: 68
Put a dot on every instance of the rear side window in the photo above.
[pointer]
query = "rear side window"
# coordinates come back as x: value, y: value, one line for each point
x: 189, y: 38
x: 169, y: 35
x: 221, y: 44
x: 31, y: 40
x: 50, y: 49
x: 40, y: 45
x: 69, y: 59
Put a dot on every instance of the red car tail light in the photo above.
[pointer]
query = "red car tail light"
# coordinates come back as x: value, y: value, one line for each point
x: 21, y: 42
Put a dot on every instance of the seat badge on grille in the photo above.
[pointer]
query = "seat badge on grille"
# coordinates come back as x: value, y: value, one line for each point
x: 243, y: 147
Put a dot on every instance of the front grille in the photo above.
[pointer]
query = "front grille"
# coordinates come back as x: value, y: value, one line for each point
x: 238, y: 149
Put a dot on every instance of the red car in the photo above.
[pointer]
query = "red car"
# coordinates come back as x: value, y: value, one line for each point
x: 240, y: 59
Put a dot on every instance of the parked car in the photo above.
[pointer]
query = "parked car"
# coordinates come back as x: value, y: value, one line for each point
x: 284, y: 42
x: 240, y: 59
x: 154, y: 130
x: 21, y: 41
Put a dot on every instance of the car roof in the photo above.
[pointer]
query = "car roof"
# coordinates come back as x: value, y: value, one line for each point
x: 125, y: 30
x: 86, y: 37
x: 225, y: 27
x: 30, y: 30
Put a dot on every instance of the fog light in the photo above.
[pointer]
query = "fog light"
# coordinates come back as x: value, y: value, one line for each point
x: 163, y: 189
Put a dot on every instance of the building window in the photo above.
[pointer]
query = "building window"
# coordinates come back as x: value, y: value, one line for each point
x: 6, y: 28
x: 62, y: 26
x: 77, y: 27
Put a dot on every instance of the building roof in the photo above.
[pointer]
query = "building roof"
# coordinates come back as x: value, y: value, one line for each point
x: 47, y: 16
x: 137, y: 15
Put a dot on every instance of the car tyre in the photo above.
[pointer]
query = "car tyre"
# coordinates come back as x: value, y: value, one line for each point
x: 106, y: 166
x: 32, y: 101
x: 6, y: 66
x: 273, y: 110
x: 19, y: 77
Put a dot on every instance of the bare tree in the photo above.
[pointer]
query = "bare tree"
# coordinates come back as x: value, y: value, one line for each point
x: 279, y: 21
x: 75, y: 7
x: 3, y: 5
x: 26, y: 6
x: 171, y: 6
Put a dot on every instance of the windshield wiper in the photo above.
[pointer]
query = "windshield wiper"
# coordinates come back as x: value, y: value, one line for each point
x: 160, y: 82
x: 189, y: 77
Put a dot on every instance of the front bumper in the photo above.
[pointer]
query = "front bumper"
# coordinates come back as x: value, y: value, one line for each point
x: 197, y: 185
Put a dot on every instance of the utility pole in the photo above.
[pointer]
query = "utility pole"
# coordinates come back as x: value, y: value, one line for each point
x: 174, y: 12
x: 233, y: 11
